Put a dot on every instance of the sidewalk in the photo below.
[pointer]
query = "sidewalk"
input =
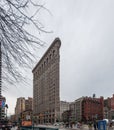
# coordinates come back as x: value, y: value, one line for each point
x: 111, y: 128
x: 84, y: 127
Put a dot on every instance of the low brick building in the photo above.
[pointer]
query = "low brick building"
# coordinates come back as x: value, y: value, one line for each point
x: 92, y: 108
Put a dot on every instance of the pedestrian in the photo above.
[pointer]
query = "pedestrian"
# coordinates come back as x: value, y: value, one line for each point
x: 78, y: 125
x: 67, y: 125
x: 95, y: 125
x: 90, y: 125
x: 71, y: 125
x: 110, y: 125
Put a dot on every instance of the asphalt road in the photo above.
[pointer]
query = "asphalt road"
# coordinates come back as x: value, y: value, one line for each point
x: 84, y: 127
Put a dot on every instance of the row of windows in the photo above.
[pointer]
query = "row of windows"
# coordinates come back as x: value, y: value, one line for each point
x: 91, y: 101
x: 45, y: 63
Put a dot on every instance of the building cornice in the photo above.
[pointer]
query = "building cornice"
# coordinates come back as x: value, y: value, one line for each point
x: 57, y: 40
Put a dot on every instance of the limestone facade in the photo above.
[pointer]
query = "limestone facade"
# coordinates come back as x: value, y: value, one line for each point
x: 46, y: 99
x: 64, y: 106
x: 22, y: 105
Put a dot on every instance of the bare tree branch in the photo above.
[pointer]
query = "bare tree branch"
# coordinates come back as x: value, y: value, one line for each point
x: 17, y: 44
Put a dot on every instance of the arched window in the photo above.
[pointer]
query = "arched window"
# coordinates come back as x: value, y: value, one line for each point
x: 50, y: 56
x: 42, y: 66
x: 47, y: 61
x: 53, y: 52
x: 44, y: 63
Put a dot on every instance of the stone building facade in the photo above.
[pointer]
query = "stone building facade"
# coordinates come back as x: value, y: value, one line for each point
x: 29, y: 104
x: 78, y: 108
x: 109, y: 107
x: 22, y: 105
x: 46, y: 103
x: 64, y: 106
x: 2, y: 108
x: 72, y: 114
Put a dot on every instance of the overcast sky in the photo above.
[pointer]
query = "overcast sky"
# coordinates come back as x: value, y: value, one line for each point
x: 86, y: 30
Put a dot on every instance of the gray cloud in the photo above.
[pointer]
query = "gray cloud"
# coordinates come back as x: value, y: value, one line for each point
x: 86, y: 30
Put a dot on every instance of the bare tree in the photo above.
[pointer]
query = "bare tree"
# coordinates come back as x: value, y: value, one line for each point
x: 16, y: 43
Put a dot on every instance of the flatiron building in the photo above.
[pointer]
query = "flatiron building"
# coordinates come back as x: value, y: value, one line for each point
x: 46, y: 98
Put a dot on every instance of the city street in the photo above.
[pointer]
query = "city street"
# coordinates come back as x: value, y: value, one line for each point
x: 83, y: 127
x: 14, y: 128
